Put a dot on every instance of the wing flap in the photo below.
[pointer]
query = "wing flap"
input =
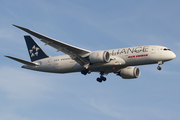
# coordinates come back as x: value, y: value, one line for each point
x: 79, y: 59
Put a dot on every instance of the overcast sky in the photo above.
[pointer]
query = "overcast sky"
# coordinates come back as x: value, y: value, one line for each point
x: 92, y: 25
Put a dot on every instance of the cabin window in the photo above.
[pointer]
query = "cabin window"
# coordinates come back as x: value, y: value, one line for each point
x: 56, y: 60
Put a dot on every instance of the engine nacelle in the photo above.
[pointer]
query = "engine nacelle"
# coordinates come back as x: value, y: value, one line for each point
x: 99, y: 57
x: 129, y: 72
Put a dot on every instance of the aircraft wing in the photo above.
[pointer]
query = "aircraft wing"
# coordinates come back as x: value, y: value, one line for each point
x: 75, y: 53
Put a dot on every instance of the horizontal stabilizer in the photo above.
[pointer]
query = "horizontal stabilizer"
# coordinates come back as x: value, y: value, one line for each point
x: 22, y: 61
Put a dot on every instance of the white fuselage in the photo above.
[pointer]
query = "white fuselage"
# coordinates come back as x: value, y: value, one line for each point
x: 120, y: 58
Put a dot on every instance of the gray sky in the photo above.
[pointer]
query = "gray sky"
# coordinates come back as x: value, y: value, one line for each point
x: 92, y: 25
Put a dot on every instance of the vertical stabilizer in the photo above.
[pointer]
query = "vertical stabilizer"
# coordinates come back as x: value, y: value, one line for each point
x: 34, y: 49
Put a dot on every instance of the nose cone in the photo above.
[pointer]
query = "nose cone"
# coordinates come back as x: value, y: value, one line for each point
x: 173, y: 55
x: 168, y: 55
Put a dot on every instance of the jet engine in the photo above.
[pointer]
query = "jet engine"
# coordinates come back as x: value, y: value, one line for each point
x: 129, y: 72
x: 99, y: 57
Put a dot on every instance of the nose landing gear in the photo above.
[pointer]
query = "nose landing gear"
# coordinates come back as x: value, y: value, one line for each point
x: 159, y: 67
x: 160, y: 63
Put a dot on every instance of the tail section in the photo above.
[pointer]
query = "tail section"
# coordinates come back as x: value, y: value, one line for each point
x: 35, y: 52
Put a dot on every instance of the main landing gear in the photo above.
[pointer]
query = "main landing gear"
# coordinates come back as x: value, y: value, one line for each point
x: 101, y: 78
x: 85, y: 72
x: 160, y: 63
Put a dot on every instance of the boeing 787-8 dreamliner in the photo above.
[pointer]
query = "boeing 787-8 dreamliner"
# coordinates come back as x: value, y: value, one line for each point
x: 119, y: 61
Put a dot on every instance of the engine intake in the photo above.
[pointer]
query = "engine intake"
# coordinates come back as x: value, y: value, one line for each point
x: 99, y: 57
x: 129, y: 72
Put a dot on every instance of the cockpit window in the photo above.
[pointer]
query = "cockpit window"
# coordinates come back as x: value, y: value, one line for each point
x: 167, y: 49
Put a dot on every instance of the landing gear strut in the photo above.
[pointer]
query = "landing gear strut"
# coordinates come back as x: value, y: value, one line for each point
x: 101, y: 78
x: 160, y: 63
x: 85, y: 72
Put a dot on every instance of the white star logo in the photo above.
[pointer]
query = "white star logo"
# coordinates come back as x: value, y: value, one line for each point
x: 34, y: 51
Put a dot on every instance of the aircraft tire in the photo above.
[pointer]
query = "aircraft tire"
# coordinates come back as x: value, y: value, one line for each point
x: 159, y: 68
x: 83, y: 72
x: 99, y: 80
x: 103, y: 78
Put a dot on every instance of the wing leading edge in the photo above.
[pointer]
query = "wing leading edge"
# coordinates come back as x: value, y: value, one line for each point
x: 75, y: 53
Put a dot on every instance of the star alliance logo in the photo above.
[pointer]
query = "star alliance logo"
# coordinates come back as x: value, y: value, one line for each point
x: 34, y: 51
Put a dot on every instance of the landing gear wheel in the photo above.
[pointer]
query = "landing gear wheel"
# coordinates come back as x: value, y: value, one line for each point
x: 103, y: 78
x: 85, y: 72
x: 159, y: 68
x: 99, y: 80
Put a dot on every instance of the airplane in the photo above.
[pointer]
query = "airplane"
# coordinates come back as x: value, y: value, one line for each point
x: 119, y: 61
